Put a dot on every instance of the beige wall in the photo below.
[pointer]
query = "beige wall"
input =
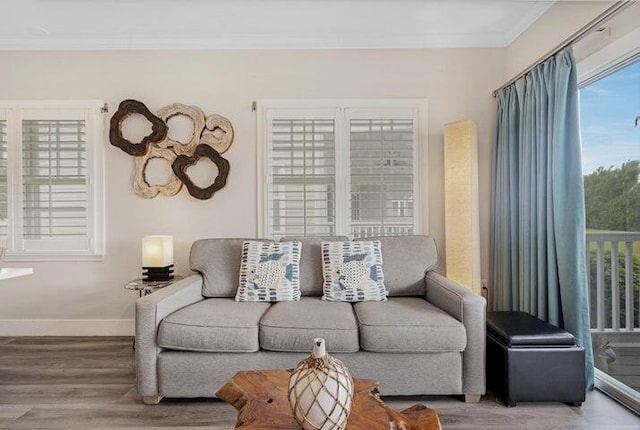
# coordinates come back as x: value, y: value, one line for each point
x: 89, y: 297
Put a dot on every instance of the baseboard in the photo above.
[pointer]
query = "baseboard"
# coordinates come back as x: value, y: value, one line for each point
x: 67, y: 327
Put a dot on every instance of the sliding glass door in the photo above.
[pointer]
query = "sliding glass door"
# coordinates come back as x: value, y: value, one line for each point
x: 610, y: 127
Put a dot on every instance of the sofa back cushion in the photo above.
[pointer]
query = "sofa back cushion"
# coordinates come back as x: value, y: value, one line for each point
x: 218, y: 260
x: 311, y: 279
x: 405, y: 260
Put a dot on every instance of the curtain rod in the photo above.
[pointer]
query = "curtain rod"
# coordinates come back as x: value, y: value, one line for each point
x: 592, y: 25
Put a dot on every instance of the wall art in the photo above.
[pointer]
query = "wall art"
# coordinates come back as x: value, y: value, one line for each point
x: 140, y: 184
x: 212, y: 136
x: 182, y: 163
x: 130, y: 107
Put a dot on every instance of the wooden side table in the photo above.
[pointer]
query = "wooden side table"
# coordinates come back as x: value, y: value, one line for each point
x: 260, y: 396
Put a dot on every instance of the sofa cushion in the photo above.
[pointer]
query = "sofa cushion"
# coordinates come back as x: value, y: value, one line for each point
x: 269, y: 272
x: 406, y: 259
x: 213, y: 325
x: 292, y: 326
x: 311, y: 279
x: 408, y: 324
x: 353, y: 271
x: 218, y: 260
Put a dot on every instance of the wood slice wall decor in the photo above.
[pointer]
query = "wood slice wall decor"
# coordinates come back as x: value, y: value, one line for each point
x: 127, y: 108
x: 217, y: 133
x: 195, y: 114
x: 140, y: 185
x: 212, y: 136
x: 182, y: 163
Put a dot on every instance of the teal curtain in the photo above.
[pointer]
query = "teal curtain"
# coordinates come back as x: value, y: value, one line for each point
x: 538, y: 217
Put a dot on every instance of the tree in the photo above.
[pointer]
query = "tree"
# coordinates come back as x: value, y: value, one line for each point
x: 612, y: 198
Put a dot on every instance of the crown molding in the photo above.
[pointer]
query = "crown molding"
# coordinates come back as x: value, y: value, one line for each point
x: 257, y: 42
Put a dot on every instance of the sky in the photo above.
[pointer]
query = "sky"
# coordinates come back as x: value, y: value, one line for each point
x: 608, y: 109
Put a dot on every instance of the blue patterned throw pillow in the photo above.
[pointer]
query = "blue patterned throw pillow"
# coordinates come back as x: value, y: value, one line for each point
x: 352, y: 271
x: 269, y: 272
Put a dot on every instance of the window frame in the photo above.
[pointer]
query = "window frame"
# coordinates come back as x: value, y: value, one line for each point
x: 342, y: 110
x: 14, y: 112
x: 609, y: 59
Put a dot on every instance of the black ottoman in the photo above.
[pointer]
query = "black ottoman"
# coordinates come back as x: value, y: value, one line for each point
x: 530, y: 360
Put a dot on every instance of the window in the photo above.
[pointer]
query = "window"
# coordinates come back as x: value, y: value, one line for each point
x: 340, y: 167
x: 51, y: 180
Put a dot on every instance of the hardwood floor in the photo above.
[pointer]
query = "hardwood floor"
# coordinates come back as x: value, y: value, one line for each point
x: 88, y: 383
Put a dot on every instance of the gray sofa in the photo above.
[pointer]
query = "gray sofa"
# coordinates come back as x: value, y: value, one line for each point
x: 427, y: 338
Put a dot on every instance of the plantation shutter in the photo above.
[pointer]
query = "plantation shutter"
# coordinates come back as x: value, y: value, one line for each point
x: 4, y: 182
x: 382, y: 176
x: 54, y: 185
x: 341, y: 167
x: 301, y: 184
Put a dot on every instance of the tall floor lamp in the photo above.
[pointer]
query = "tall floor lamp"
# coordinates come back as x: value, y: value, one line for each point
x: 462, y: 218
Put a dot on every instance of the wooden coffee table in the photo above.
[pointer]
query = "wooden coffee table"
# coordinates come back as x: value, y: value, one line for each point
x: 260, y: 396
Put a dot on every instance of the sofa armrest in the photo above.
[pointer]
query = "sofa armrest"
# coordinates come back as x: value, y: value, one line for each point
x: 150, y: 310
x: 470, y: 309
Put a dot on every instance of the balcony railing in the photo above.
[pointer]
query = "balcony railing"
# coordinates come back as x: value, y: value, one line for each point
x: 364, y: 229
x: 614, y: 268
x: 614, y: 292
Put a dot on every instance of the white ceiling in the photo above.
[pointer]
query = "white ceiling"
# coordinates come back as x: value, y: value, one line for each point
x: 263, y: 24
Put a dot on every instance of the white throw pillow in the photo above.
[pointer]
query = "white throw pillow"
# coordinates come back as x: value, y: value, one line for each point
x: 352, y: 271
x: 269, y: 272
